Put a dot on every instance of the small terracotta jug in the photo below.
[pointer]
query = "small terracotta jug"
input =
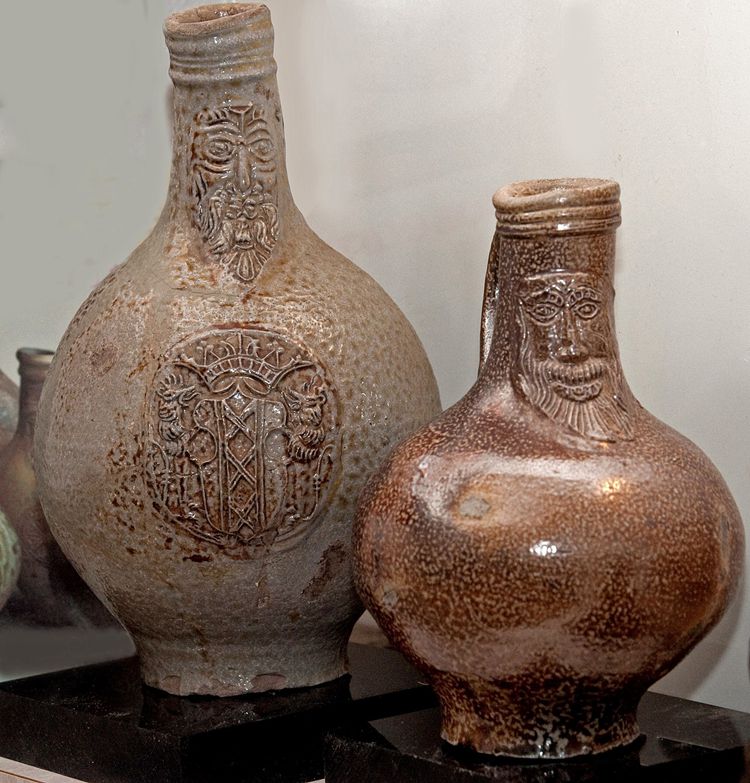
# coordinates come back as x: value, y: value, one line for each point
x: 10, y: 559
x: 49, y: 591
x: 218, y: 402
x: 8, y: 409
x: 546, y: 549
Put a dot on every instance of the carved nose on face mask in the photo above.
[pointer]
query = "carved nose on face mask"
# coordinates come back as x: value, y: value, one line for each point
x: 570, y: 348
x: 571, y: 352
x: 244, y: 172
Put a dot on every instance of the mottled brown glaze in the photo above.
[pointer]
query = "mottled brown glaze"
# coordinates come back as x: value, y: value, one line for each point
x: 546, y: 549
x: 217, y: 404
x: 49, y: 591
x: 8, y: 409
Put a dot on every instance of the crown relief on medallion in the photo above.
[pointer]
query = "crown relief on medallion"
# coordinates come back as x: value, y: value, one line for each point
x: 241, y: 432
x: 567, y: 368
x: 234, y: 190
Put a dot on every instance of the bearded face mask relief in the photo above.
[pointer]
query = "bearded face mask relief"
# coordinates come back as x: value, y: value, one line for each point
x: 234, y: 187
x: 567, y: 368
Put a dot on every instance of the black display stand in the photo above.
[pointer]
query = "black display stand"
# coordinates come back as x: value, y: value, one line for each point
x: 100, y: 724
x: 682, y: 741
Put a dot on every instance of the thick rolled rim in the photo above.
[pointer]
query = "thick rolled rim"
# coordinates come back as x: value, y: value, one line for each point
x: 213, y: 43
x: 564, y: 205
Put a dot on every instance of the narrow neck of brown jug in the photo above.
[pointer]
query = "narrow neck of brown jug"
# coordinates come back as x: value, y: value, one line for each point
x: 228, y: 164
x: 548, y: 327
x: 549, y: 307
x: 33, y: 365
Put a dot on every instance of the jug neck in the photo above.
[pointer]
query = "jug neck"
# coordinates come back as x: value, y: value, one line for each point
x: 548, y: 320
x: 33, y: 364
x: 229, y: 182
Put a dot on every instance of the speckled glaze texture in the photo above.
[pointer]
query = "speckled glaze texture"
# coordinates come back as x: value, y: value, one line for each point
x: 49, y: 591
x: 8, y: 409
x: 546, y: 549
x: 218, y: 402
x: 10, y: 559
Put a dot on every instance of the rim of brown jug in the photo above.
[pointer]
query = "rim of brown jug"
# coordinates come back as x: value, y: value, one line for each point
x: 564, y: 205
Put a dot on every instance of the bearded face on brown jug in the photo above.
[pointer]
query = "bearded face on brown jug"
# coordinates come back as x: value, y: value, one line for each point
x: 565, y: 366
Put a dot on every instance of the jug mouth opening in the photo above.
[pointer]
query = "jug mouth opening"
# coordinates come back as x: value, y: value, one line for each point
x: 209, y: 19
x: 215, y: 43
x: 559, y: 187
x: 579, y: 205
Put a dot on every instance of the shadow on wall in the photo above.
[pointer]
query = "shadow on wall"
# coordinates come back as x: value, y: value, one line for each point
x: 691, y: 673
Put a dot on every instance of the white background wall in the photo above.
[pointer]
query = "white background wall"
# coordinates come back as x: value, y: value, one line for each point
x: 402, y: 118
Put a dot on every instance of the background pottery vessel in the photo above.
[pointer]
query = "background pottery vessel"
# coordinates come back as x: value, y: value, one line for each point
x: 546, y: 549
x: 49, y: 591
x: 219, y: 400
x: 8, y: 409
x: 10, y: 559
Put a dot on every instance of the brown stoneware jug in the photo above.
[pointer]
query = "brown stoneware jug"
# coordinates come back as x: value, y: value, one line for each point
x: 546, y: 549
x: 218, y: 402
x: 49, y: 591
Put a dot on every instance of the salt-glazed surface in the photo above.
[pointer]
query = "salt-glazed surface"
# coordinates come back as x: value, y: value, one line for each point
x: 220, y: 399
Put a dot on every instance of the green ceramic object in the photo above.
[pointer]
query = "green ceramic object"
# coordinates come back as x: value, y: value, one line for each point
x: 8, y: 409
x: 10, y: 559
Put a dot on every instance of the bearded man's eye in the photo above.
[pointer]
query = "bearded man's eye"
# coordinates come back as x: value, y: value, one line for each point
x: 544, y: 312
x: 587, y: 309
x: 263, y: 148
x: 220, y: 151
